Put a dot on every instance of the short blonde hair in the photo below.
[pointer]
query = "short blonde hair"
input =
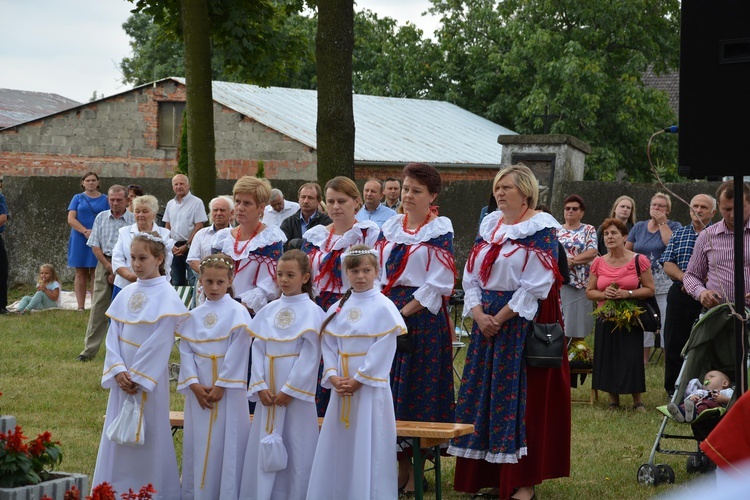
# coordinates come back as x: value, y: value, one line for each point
x: 259, y: 189
x: 665, y: 197
x: 525, y: 181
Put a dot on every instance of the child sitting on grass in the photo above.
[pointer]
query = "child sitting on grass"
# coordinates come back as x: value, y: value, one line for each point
x: 47, y: 291
x: 715, y: 391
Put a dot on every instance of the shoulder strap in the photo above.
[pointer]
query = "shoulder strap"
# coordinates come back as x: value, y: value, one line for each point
x: 637, y: 266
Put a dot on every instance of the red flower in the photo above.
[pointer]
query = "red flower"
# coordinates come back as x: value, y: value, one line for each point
x: 72, y: 494
x: 14, y: 441
x: 102, y: 491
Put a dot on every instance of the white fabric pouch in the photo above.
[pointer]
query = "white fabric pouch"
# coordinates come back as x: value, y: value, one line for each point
x: 273, y: 456
x: 128, y: 428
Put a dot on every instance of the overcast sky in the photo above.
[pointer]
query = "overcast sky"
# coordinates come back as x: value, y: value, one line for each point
x: 73, y: 47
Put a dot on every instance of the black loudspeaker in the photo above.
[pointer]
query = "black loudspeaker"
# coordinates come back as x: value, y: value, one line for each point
x: 714, y: 88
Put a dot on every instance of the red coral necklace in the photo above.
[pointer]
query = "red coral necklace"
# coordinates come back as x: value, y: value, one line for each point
x: 502, y: 219
x: 237, y: 249
x: 405, y: 223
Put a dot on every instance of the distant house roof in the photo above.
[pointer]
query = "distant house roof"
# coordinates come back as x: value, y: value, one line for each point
x: 669, y: 83
x: 388, y: 129
x: 19, y: 106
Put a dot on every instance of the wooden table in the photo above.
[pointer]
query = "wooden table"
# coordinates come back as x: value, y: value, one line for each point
x: 422, y: 436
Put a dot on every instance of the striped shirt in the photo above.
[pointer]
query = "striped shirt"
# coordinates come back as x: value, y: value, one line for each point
x: 105, y: 230
x: 680, y: 247
x: 712, y: 263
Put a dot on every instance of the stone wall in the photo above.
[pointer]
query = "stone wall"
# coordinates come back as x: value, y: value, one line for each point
x: 38, y: 232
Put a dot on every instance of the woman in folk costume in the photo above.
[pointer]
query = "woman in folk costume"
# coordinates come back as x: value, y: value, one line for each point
x: 325, y: 244
x: 355, y: 453
x: 286, y: 353
x: 416, y: 257
x: 144, y: 317
x: 254, y: 246
x: 511, y: 267
x: 214, y: 353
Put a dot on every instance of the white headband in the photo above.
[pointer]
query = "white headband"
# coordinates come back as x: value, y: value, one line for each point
x: 151, y: 237
x: 350, y: 253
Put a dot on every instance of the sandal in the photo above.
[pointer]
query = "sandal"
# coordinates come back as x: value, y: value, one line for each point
x: 639, y: 407
x: 613, y: 407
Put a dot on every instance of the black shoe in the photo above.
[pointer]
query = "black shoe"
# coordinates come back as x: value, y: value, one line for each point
x: 83, y: 359
x: 4, y: 310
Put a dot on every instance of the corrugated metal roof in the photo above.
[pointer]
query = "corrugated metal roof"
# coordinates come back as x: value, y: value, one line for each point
x: 19, y: 106
x: 389, y: 129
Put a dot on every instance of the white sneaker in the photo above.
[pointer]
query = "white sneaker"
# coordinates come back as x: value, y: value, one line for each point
x: 674, y: 410
x: 689, y: 410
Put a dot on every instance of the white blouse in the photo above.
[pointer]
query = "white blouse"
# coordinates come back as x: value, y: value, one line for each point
x: 362, y: 233
x: 516, y: 268
x: 254, y: 273
x: 428, y: 268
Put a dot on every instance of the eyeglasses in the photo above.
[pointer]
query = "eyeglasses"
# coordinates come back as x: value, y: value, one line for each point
x: 572, y: 209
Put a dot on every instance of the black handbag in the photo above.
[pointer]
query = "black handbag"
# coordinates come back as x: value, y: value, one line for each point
x: 651, y: 318
x: 545, y: 345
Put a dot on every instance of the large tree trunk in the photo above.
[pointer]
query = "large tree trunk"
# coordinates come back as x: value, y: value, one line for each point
x: 334, y: 45
x: 200, y: 111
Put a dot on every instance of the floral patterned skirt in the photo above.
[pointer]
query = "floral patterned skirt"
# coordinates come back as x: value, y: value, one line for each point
x: 325, y: 300
x: 422, y: 380
x: 493, y: 390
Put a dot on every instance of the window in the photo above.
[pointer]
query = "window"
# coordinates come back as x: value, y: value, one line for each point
x: 170, y: 122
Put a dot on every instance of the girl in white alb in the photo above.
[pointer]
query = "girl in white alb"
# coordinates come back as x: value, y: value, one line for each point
x: 144, y: 318
x: 214, y: 354
x: 356, y: 452
x: 286, y: 354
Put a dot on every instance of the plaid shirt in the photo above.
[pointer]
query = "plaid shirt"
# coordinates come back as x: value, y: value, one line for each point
x: 104, y: 231
x: 680, y: 247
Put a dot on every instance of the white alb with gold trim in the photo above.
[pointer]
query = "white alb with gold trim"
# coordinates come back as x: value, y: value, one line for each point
x: 285, y: 358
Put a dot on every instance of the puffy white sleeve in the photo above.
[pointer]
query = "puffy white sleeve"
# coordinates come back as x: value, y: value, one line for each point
x: 472, y: 290
x: 439, y: 283
x: 233, y: 371
x: 303, y: 378
x: 535, y: 283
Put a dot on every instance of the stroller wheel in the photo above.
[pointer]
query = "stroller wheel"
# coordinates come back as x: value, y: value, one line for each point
x: 648, y: 475
x: 694, y: 463
x: 706, y: 465
x: 666, y: 473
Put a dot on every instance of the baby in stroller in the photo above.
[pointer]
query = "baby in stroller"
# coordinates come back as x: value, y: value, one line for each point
x: 715, y: 391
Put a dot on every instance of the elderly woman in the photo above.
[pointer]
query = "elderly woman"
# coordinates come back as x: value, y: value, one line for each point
x: 254, y: 246
x: 618, y: 363
x: 144, y: 209
x: 650, y: 238
x: 510, y: 269
x: 579, y: 241
x: 326, y: 243
x: 417, y: 272
x: 622, y: 209
x: 83, y: 209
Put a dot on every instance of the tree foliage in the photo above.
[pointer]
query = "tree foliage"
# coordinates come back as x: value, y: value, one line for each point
x: 511, y: 60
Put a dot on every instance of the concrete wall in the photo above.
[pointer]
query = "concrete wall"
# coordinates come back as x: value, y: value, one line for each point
x: 38, y: 232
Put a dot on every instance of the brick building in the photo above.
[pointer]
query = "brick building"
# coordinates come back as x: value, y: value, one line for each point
x: 135, y: 134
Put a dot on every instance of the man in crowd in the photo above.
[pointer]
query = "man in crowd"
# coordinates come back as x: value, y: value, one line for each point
x: 221, y: 214
x: 307, y: 216
x: 278, y: 209
x: 102, y: 240
x: 682, y: 309
x: 184, y: 216
x: 392, y: 193
x: 372, y: 209
x: 709, y: 277
x: 3, y: 256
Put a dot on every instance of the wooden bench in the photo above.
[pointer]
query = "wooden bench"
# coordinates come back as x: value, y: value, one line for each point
x: 422, y: 435
x: 594, y: 393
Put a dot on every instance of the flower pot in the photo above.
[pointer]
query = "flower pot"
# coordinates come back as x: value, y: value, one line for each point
x: 7, y: 423
x: 55, y: 487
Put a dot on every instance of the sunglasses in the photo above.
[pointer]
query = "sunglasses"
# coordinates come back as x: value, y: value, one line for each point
x: 134, y: 186
x: 572, y: 209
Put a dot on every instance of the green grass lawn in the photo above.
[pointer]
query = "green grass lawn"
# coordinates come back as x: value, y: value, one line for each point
x: 47, y: 389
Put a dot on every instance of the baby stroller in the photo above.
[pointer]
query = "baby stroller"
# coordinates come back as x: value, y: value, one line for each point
x: 711, y: 346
